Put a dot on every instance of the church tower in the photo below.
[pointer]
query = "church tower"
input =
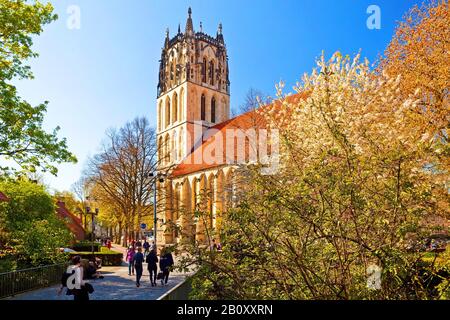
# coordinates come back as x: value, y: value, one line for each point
x: 193, y: 87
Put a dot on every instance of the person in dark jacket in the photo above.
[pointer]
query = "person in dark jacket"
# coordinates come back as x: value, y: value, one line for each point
x: 165, y: 265
x: 79, y: 288
x: 137, y: 261
x: 146, y: 247
x: 152, y: 260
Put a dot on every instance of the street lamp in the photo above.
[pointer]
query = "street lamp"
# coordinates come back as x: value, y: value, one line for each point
x: 157, y: 176
x: 93, y: 213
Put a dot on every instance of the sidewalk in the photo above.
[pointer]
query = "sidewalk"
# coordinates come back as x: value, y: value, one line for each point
x: 117, y: 285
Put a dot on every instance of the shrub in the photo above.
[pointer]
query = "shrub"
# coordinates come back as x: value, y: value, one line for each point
x: 109, y: 257
x: 31, y: 232
x: 86, y: 246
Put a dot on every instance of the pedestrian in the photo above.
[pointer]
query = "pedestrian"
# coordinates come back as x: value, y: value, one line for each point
x: 146, y: 247
x: 138, y: 260
x: 129, y: 259
x: 80, y: 288
x: 109, y: 244
x: 152, y: 260
x: 92, y: 272
x: 213, y: 245
x: 153, y: 246
x: 165, y: 265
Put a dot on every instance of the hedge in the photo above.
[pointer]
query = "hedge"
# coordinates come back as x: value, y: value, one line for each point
x: 109, y: 257
x: 86, y: 246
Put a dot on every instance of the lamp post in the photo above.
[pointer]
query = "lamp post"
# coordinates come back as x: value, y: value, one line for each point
x: 157, y: 176
x: 93, y: 214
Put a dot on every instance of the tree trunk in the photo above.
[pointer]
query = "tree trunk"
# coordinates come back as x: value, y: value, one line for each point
x: 119, y: 235
x: 125, y: 238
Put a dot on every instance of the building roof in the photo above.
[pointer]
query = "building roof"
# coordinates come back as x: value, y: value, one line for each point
x: 248, y: 120
x: 3, y: 197
x: 72, y: 221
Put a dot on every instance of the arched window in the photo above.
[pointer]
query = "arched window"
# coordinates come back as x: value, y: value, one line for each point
x: 160, y: 113
x: 173, y: 148
x: 167, y: 115
x: 203, y: 108
x: 160, y: 151
x: 213, y: 110
x: 204, y: 70
x: 180, y: 144
x: 181, y: 113
x: 211, y: 72
x: 167, y: 149
x: 175, y: 70
x: 174, y: 107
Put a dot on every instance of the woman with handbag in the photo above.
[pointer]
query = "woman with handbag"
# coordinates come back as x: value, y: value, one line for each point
x: 138, y: 259
x: 165, y: 265
x: 79, y: 288
x: 129, y: 259
x: 152, y: 260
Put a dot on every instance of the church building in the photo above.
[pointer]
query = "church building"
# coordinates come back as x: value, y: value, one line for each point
x: 193, y: 113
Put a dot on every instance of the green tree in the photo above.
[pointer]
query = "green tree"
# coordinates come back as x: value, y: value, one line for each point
x: 22, y: 138
x: 71, y: 202
x: 32, y: 232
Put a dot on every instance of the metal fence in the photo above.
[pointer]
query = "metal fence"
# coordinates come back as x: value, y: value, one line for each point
x: 14, y: 282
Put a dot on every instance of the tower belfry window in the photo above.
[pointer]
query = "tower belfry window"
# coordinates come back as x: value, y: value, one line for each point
x: 203, y: 108
x: 204, y: 70
x: 213, y: 110
x: 211, y: 73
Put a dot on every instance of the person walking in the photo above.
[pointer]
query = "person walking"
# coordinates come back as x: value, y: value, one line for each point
x: 138, y: 260
x: 81, y: 288
x: 153, y: 246
x: 138, y: 244
x: 165, y: 265
x: 129, y: 259
x: 146, y: 247
x: 213, y: 245
x: 152, y: 260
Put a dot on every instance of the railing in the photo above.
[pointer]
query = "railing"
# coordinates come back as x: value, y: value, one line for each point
x: 14, y: 282
x: 179, y: 292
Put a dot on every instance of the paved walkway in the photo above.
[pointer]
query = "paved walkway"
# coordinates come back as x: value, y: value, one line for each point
x: 117, y: 285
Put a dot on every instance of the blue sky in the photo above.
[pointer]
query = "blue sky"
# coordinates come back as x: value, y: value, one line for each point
x: 105, y: 73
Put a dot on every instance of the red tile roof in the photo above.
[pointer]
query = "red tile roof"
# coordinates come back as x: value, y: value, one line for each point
x: 249, y: 120
x: 73, y: 222
x: 3, y: 197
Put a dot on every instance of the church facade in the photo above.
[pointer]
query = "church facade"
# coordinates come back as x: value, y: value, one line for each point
x: 193, y: 114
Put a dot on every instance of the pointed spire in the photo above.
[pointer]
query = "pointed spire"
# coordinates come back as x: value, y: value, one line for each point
x: 219, y: 35
x: 167, y: 38
x: 201, y: 26
x: 179, y: 28
x: 189, y: 24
